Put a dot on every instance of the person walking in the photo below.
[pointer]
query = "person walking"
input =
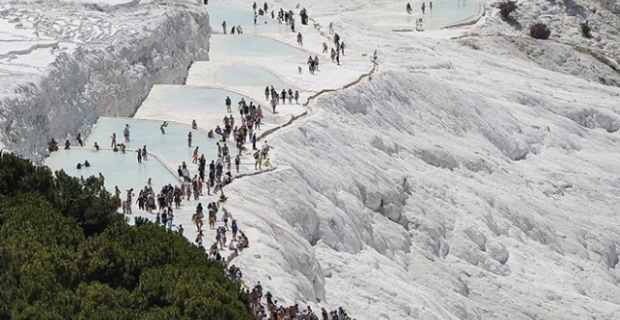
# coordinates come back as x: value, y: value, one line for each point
x: 257, y: 163
x: 300, y: 39
x: 237, y: 163
x: 101, y: 179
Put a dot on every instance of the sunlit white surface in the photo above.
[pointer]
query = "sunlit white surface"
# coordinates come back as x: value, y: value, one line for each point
x: 65, y: 63
x: 511, y: 207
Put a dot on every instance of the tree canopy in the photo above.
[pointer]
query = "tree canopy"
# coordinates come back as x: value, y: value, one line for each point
x: 65, y: 253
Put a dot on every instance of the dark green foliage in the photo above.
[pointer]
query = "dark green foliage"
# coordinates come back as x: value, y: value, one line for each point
x: 66, y: 254
x: 507, y: 7
x: 540, y: 31
x: 90, y: 205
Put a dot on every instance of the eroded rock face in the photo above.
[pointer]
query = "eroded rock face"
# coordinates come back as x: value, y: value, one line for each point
x: 103, y: 67
x: 593, y: 57
x: 498, y: 252
x: 450, y: 230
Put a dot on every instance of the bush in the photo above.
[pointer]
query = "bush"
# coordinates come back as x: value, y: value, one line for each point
x: 66, y: 254
x: 506, y: 7
x: 585, y: 29
x: 540, y: 31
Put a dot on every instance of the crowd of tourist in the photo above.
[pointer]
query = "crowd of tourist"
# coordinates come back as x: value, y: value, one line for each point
x: 163, y: 204
x: 272, y: 310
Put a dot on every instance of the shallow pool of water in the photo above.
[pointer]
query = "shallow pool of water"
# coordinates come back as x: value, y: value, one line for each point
x: 172, y: 145
x: 449, y: 12
x: 242, y: 45
x: 193, y: 100
x: 119, y: 169
x: 444, y: 13
x: 246, y: 75
x: 243, y: 18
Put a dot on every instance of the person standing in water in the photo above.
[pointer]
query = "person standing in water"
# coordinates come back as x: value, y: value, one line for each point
x: 113, y: 144
x: 189, y: 139
x: 79, y: 139
x: 126, y: 133
x: 228, y: 104
x: 139, y: 151
x: 224, y: 27
x: 163, y: 125
x: 195, y: 156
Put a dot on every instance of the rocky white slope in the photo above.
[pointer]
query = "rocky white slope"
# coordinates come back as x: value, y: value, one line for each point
x: 595, y: 57
x: 64, y: 63
x: 509, y: 210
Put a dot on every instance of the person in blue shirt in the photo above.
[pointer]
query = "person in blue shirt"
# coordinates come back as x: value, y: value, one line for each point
x: 234, y: 228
